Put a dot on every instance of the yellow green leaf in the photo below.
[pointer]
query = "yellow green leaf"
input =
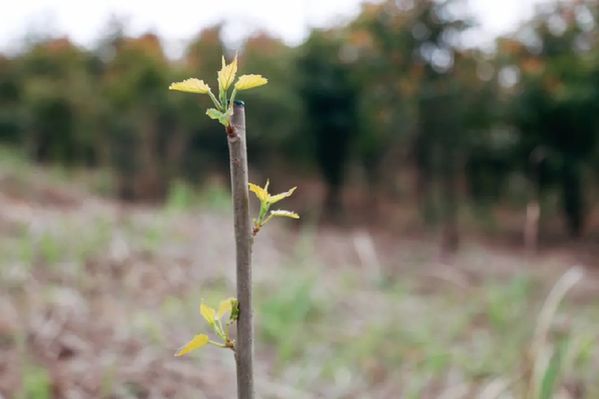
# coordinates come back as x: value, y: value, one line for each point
x: 191, y: 85
x: 226, y: 75
x: 278, y: 197
x: 260, y: 192
x: 213, y: 113
x: 208, y: 313
x: 246, y: 82
x: 234, y: 309
x: 196, y: 343
x: 225, y: 307
x: 287, y: 214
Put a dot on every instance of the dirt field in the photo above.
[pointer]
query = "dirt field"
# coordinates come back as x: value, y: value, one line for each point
x: 96, y: 296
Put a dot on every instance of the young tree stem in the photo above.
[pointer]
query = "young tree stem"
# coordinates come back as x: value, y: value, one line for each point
x: 244, y: 347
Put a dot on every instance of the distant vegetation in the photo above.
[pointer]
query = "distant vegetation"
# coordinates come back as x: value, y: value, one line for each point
x: 392, y: 91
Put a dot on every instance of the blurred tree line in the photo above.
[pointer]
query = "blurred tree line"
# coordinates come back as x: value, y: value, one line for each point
x: 393, y: 91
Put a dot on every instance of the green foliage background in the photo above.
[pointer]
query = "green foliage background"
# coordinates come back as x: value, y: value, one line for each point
x: 393, y: 90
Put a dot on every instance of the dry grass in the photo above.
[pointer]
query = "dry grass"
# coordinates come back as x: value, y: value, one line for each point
x: 96, y: 296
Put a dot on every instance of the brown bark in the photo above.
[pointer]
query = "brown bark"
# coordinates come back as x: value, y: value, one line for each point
x: 244, y: 347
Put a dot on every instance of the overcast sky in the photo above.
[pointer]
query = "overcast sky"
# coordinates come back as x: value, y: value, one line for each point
x: 178, y: 20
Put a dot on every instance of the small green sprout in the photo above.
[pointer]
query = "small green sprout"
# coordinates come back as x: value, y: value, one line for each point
x: 224, y: 103
x: 266, y: 200
x: 213, y: 318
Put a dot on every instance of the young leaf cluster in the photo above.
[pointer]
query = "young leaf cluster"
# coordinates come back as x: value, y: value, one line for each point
x: 213, y: 317
x: 224, y: 103
x: 266, y: 201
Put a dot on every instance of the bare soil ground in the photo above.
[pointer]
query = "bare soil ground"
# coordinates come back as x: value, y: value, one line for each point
x: 96, y: 296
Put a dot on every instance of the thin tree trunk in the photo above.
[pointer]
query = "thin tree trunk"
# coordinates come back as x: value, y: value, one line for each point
x: 533, y: 207
x: 531, y: 226
x: 451, y: 235
x: 244, y: 347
